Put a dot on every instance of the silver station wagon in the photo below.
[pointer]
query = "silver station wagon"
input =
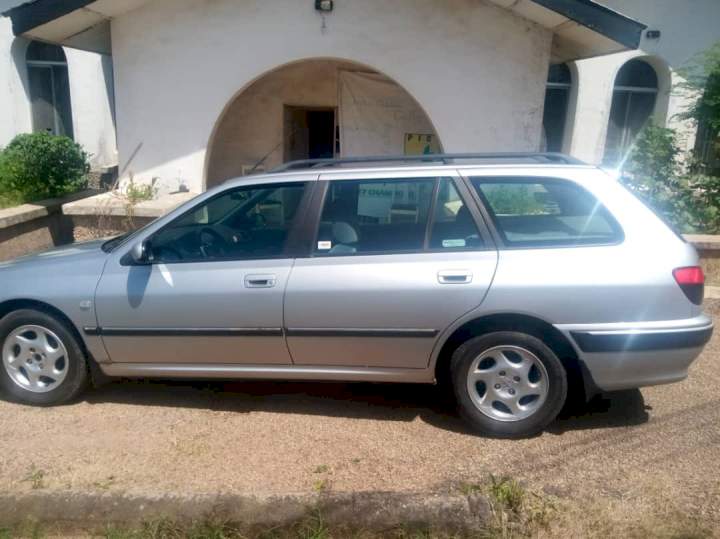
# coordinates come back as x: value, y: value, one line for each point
x: 517, y: 278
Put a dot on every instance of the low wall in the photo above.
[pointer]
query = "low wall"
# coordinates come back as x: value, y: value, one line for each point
x: 708, y: 248
x: 35, y: 227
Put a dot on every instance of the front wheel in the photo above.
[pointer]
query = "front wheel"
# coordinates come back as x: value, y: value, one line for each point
x: 508, y: 384
x: 42, y: 362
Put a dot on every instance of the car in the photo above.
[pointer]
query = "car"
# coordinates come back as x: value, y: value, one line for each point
x: 516, y: 278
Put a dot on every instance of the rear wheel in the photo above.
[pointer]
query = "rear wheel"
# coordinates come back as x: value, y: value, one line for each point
x: 508, y: 384
x: 42, y: 362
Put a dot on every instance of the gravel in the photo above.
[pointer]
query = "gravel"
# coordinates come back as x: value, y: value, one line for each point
x: 655, y: 450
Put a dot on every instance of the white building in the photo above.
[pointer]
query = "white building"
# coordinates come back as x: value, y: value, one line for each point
x: 611, y: 97
x: 211, y: 89
x: 59, y: 90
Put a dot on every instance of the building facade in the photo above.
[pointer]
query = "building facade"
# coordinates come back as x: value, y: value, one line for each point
x: 206, y: 90
x: 45, y: 87
x: 609, y: 98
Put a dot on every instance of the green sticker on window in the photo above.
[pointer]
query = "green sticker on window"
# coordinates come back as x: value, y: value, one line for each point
x: 453, y: 243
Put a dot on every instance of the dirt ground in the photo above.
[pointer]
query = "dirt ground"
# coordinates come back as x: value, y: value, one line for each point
x: 651, y: 455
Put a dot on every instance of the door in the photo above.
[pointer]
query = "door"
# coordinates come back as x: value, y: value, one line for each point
x: 395, y: 261
x: 214, y: 290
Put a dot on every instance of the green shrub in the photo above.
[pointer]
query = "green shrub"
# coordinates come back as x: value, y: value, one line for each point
x: 39, y: 165
x: 689, y: 201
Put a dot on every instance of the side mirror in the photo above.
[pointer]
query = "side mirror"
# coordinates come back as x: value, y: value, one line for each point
x: 140, y: 253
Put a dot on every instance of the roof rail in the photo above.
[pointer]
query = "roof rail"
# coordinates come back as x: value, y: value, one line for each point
x: 446, y: 158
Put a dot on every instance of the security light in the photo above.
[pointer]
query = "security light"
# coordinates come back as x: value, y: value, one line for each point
x: 324, y: 5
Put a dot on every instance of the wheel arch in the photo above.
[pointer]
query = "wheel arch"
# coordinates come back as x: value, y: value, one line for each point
x: 580, y: 383
x: 9, y: 306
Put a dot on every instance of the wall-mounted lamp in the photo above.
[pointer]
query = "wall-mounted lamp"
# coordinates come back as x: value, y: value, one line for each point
x: 324, y: 5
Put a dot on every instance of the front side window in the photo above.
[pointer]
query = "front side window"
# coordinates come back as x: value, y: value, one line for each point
x: 546, y: 212
x: 244, y: 223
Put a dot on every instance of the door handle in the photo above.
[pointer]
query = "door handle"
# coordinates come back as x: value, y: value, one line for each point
x: 260, y: 281
x: 455, y: 277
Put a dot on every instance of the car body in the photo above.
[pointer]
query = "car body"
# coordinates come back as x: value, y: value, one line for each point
x: 549, y: 248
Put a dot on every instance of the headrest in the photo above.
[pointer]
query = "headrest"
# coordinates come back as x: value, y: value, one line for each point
x: 344, y: 233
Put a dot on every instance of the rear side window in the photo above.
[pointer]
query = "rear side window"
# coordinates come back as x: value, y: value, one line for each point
x: 394, y: 216
x: 536, y: 212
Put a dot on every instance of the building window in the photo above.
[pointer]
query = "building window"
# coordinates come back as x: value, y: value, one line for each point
x: 557, y: 96
x: 634, y: 94
x: 49, y: 89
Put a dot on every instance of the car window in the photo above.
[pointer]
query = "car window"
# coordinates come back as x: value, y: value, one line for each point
x: 374, y: 216
x: 542, y: 212
x: 244, y: 223
x: 453, y: 226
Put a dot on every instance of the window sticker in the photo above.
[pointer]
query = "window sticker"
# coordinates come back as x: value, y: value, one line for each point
x: 453, y: 243
x: 324, y: 245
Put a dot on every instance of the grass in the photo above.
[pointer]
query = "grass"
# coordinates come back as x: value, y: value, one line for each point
x: 36, y: 478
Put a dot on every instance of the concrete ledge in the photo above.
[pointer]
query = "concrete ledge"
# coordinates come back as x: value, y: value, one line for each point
x: 704, y: 242
x: 367, y: 510
x: 35, y: 210
x: 114, y: 204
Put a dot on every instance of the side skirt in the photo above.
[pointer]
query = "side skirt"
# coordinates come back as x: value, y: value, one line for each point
x: 265, y: 372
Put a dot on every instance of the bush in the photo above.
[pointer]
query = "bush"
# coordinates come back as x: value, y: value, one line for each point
x: 39, y: 165
x: 690, y: 202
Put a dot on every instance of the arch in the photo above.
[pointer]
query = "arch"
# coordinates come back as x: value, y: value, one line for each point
x: 49, y: 89
x: 263, y: 123
x: 641, y: 91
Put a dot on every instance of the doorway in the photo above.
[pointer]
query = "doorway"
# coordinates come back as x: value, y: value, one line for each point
x: 310, y: 133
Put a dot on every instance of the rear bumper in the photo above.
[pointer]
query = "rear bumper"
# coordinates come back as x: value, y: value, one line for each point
x: 623, y: 356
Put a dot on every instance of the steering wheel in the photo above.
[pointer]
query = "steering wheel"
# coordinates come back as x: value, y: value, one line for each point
x: 212, y: 244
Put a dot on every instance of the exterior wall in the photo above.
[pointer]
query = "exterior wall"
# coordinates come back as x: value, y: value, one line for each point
x: 477, y: 70
x: 687, y: 28
x: 14, y: 106
x: 90, y: 94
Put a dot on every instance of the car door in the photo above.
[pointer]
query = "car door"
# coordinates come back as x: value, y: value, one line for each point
x: 395, y: 261
x: 212, y: 292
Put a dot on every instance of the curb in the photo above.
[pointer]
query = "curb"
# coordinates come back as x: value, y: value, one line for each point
x: 366, y: 510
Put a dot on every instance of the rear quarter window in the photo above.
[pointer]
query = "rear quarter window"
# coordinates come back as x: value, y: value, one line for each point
x: 538, y: 212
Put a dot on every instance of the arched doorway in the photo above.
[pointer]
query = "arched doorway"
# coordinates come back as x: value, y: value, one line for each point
x: 316, y: 108
x: 49, y: 87
x: 634, y: 96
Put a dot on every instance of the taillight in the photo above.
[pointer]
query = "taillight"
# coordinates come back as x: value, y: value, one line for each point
x: 692, y: 282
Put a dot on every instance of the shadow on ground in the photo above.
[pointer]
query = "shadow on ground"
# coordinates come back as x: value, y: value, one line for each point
x: 383, y: 402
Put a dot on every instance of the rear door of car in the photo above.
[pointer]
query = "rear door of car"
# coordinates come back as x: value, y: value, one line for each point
x: 395, y: 258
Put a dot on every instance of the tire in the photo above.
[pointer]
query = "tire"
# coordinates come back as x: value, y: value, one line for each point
x: 508, y: 384
x: 42, y: 361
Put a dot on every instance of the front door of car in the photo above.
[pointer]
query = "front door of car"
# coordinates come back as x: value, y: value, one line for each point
x: 395, y: 261
x: 212, y: 291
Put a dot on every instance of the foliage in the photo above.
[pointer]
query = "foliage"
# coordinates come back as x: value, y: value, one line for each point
x: 702, y: 77
x: 139, y: 192
x: 688, y: 201
x: 512, y: 199
x: 40, y: 165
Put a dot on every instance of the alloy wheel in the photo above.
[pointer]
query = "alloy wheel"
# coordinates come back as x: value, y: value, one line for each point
x: 507, y: 383
x: 35, y: 358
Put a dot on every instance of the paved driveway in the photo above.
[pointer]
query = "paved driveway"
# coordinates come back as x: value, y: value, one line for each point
x: 656, y: 450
